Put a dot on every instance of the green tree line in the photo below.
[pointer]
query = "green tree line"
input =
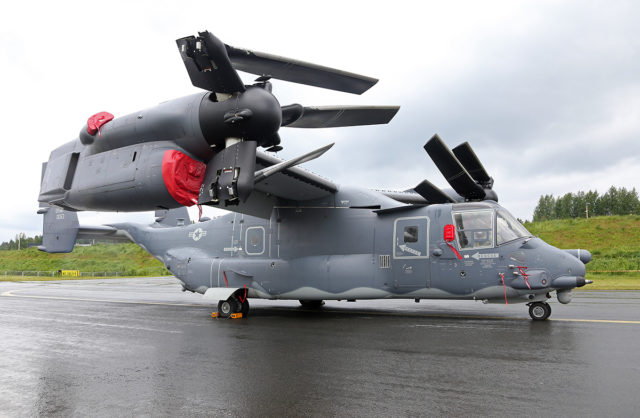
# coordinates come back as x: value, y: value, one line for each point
x: 21, y: 241
x: 616, y: 201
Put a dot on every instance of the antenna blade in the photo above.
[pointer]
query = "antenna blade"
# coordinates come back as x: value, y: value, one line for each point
x: 266, y: 172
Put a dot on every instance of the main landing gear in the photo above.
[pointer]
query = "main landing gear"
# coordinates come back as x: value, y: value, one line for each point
x: 539, y: 311
x: 234, y: 305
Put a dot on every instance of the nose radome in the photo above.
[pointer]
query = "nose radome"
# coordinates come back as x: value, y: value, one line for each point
x: 582, y: 255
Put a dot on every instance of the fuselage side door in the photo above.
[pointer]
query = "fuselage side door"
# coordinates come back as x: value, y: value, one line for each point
x: 410, y: 256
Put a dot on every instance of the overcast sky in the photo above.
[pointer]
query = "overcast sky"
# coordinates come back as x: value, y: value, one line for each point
x: 547, y: 92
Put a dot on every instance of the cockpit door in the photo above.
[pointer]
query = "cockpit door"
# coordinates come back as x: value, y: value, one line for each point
x: 410, y: 256
x: 467, y: 263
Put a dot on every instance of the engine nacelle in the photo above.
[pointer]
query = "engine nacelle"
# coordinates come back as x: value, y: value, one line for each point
x: 138, y: 177
x: 155, y: 158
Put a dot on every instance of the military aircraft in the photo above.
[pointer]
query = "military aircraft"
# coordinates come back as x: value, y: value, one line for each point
x: 291, y: 234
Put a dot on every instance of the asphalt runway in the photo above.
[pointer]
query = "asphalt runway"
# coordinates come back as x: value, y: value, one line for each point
x: 140, y: 347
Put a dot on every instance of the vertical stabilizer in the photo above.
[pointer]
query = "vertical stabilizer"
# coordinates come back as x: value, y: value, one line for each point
x: 172, y: 217
x: 59, y: 229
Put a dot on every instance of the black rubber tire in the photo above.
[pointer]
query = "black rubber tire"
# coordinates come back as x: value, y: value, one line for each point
x: 539, y: 311
x: 244, y: 309
x: 226, y: 308
x: 311, y: 304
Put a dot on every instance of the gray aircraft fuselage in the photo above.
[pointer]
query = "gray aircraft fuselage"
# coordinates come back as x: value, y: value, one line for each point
x: 346, y: 253
x: 291, y: 234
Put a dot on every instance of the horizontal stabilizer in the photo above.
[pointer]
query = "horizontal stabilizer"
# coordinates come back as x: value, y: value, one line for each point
x: 104, y: 232
x: 337, y: 116
x: 266, y: 172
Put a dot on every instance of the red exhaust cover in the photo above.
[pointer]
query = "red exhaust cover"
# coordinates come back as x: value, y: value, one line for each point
x: 183, y: 176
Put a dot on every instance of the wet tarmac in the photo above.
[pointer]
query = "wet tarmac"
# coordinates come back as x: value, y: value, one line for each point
x: 140, y: 347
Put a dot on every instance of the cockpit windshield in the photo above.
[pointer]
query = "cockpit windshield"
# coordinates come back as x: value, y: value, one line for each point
x: 474, y: 228
x: 508, y: 228
x: 478, y: 228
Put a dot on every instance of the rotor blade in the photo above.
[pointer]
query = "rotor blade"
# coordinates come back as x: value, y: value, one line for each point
x: 452, y: 169
x: 291, y: 113
x: 339, y: 116
x: 295, y: 71
x: 432, y: 193
x: 266, y: 172
x: 208, y: 64
x: 472, y: 164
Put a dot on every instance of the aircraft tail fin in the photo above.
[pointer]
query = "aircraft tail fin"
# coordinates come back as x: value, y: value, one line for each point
x: 172, y: 217
x: 59, y: 229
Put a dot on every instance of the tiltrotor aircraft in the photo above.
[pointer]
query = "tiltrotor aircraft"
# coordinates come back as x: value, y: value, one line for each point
x: 291, y: 234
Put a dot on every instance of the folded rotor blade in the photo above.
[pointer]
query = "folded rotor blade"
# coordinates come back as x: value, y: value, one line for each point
x: 291, y: 113
x: 288, y: 69
x: 472, y: 164
x: 266, y: 172
x: 452, y: 169
x: 338, y: 116
x: 432, y: 193
x: 208, y: 64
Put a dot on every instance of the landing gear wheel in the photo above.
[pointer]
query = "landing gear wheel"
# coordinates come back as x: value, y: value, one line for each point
x: 311, y: 304
x: 539, y: 311
x: 244, y: 308
x: 227, y: 307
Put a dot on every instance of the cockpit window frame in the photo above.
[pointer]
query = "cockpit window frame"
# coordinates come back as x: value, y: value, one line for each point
x: 506, y: 214
x: 471, y: 211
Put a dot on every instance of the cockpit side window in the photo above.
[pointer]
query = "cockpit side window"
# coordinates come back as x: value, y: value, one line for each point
x: 508, y: 228
x: 474, y: 229
x: 410, y: 234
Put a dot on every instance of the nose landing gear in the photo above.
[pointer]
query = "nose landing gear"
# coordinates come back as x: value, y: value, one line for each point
x: 539, y: 311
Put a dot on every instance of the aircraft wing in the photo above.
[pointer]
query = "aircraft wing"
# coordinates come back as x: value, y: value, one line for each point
x: 292, y: 183
x: 280, y: 183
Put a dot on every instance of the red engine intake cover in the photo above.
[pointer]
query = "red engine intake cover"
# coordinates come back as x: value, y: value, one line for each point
x: 183, y: 176
x: 96, y: 121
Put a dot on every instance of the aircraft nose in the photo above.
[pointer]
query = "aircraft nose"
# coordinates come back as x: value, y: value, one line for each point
x: 577, y: 267
x: 572, y: 274
x: 581, y: 269
x: 582, y: 255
